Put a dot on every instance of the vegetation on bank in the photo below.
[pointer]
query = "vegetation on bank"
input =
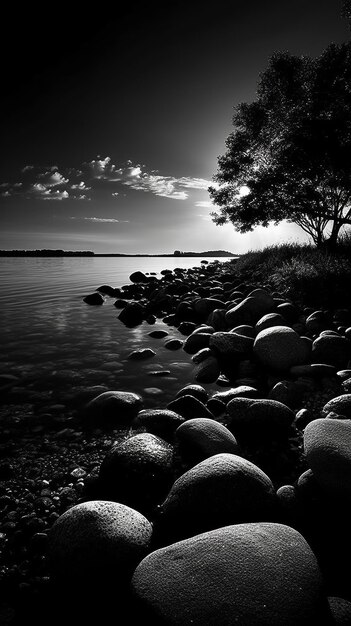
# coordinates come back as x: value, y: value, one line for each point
x: 303, y: 273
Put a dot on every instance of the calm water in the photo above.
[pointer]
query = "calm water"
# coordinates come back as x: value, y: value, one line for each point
x: 60, y: 347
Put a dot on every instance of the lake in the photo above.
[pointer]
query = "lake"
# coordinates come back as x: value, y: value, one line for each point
x: 59, y: 347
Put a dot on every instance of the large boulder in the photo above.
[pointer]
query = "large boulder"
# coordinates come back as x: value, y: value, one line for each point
x: 341, y: 405
x: 132, y: 314
x: 327, y: 445
x: 229, y: 344
x: 331, y: 349
x: 95, y: 540
x: 258, y: 574
x: 259, y: 421
x: 223, y: 489
x: 200, y: 438
x: 160, y: 422
x: 138, y: 472
x: 112, y: 409
x: 251, y: 309
x: 280, y: 347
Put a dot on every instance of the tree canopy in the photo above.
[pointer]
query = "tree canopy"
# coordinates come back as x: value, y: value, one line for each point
x: 289, y: 155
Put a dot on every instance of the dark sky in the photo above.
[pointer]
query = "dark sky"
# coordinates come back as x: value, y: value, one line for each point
x: 112, y: 118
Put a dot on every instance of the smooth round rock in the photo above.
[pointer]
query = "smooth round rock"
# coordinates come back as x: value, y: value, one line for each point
x: 197, y: 391
x: 207, y: 370
x: 339, y: 405
x: 259, y: 574
x: 138, y: 471
x: 340, y: 609
x: 132, y: 314
x: 160, y: 422
x: 143, y: 353
x: 280, y: 347
x: 189, y: 407
x: 95, y: 540
x: 259, y: 420
x: 223, y: 489
x: 268, y: 321
x: 229, y: 344
x: 113, y: 409
x: 327, y: 445
x: 331, y: 349
x: 202, y: 437
x: 94, y: 299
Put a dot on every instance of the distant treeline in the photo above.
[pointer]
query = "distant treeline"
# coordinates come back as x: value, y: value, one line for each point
x: 46, y: 253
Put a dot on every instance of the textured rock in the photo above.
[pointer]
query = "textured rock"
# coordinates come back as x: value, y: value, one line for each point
x: 189, y: 407
x: 229, y: 344
x: 251, y: 309
x: 160, y: 422
x: 207, y: 370
x: 113, y: 409
x: 202, y: 437
x: 327, y: 445
x: 259, y: 574
x: 138, y: 471
x: 196, y: 342
x: 95, y: 540
x: 268, y: 321
x: 197, y: 391
x: 280, y: 347
x: 340, y: 609
x: 259, y: 420
x: 340, y: 405
x: 331, y: 349
x: 223, y: 489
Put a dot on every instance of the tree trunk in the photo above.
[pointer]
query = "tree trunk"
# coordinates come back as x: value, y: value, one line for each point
x: 331, y: 242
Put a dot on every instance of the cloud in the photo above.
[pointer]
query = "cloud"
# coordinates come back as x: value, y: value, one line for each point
x: 101, y: 175
x: 101, y: 219
x: 206, y: 204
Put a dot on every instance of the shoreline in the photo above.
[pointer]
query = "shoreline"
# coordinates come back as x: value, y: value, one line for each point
x: 57, y: 469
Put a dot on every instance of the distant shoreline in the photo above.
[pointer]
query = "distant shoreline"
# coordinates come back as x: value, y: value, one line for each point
x: 88, y: 253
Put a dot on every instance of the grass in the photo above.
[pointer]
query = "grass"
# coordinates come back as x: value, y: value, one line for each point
x: 302, y: 273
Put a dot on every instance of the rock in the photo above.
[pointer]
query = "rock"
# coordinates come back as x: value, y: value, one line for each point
x: 223, y: 489
x: 173, y: 344
x: 189, y: 407
x: 204, y: 306
x: 327, y: 445
x: 245, y: 330
x: 143, y: 353
x: 108, y: 290
x: 259, y: 574
x: 259, y: 421
x: 280, y: 347
x: 160, y: 422
x: 231, y: 344
x: 200, y: 438
x: 287, y: 392
x: 158, y: 334
x: 216, y: 406
x: 186, y: 328
x: 289, y: 312
x: 340, y: 609
x: 340, y: 405
x: 138, y: 471
x: 317, y: 322
x: 268, y: 321
x: 193, y: 390
x: 132, y: 314
x: 138, y: 277
x: 96, y: 540
x: 314, y: 370
x: 195, y: 342
x: 251, y: 309
x: 207, y: 370
x: 94, y: 298
x: 331, y: 349
x: 113, y: 409
x: 201, y: 355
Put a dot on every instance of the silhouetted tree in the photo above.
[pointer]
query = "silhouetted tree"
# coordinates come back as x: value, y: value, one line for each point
x: 289, y: 156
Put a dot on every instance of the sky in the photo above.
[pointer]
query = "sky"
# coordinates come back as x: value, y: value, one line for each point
x: 113, y: 117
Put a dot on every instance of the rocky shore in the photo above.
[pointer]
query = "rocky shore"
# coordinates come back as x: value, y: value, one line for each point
x: 225, y: 506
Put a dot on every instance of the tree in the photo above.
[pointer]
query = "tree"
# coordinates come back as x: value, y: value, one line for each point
x: 289, y: 156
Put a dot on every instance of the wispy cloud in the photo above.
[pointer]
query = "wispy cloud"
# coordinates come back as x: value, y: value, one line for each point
x: 206, y: 204
x: 98, y: 176
x: 101, y: 219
